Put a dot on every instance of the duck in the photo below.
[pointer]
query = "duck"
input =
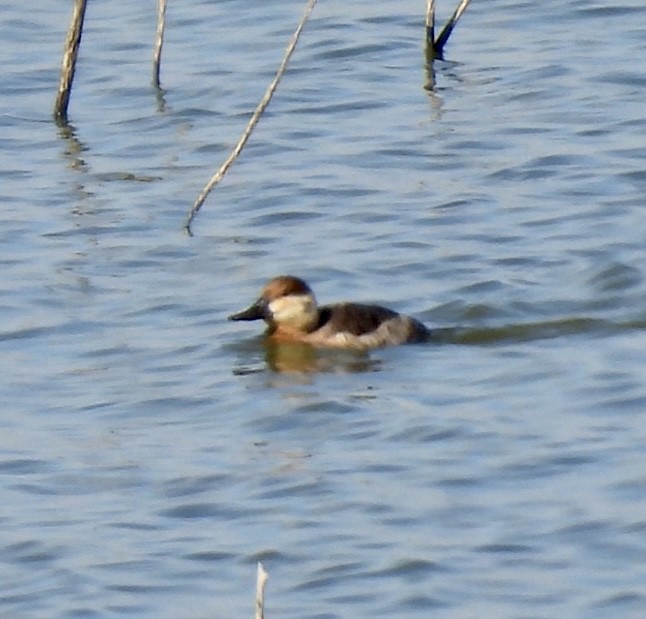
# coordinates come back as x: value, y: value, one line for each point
x: 288, y: 306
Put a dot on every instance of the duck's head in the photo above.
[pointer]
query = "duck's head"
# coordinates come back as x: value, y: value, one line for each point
x: 285, y: 302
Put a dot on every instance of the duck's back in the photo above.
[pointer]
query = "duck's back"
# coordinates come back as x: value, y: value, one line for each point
x: 359, y: 325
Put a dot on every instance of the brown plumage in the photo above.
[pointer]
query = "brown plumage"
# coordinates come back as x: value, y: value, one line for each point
x: 288, y: 306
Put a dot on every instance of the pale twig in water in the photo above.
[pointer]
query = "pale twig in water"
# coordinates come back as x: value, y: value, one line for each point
x: 219, y: 175
x: 261, y: 581
x: 430, y: 22
x: 159, y: 40
x: 70, y: 54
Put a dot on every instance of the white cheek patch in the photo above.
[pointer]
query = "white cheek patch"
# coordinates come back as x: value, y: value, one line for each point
x: 296, y: 310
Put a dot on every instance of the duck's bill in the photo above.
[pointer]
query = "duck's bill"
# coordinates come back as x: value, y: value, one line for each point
x: 257, y: 311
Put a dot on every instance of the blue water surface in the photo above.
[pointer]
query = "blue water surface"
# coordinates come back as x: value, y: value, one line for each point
x: 153, y: 452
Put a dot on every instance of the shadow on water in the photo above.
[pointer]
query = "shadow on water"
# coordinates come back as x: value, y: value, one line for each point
x: 303, y: 358
x: 74, y: 148
x: 160, y: 98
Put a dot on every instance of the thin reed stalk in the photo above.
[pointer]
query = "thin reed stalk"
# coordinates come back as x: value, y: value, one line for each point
x: 68, y: 66
x: 430, y: 22
x: 261, y: 581
x: 159, y: 41
x: 448, y: 29
x: 253, y: 121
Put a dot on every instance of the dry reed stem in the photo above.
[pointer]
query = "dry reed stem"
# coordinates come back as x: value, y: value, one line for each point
x: 261, y: 581
x: 68, y: 66
x: 264, y: 102
x: 430, y: 22
x: 446, y: 31
x: 159, y: 40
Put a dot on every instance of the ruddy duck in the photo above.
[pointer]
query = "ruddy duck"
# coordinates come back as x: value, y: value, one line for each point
x: 288, y: 306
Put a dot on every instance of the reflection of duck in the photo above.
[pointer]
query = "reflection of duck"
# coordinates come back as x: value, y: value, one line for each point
x: 291, y: 356
x: 289, y: 307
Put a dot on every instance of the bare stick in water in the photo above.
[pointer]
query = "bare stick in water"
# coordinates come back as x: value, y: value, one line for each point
x: 219, y: 175
x: 448, y: 29
x: 159, y: 40
x: 430, y: 22
x: 70, y: 54
x: 261, y: 581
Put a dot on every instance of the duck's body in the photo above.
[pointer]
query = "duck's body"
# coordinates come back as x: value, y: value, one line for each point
x: 289, y: 307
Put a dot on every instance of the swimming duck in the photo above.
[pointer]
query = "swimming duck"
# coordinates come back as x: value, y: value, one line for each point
x: 288, y: 306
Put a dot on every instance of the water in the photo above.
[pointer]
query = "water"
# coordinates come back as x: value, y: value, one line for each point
x: 152, y: 452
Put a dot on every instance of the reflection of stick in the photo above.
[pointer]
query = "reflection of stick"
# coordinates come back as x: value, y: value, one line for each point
x: 261, y: 581
x: 159, y: 40
x: 430, y: 22
x: 219, y: 175
x: 448, y: 29
x: 68, y: 67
